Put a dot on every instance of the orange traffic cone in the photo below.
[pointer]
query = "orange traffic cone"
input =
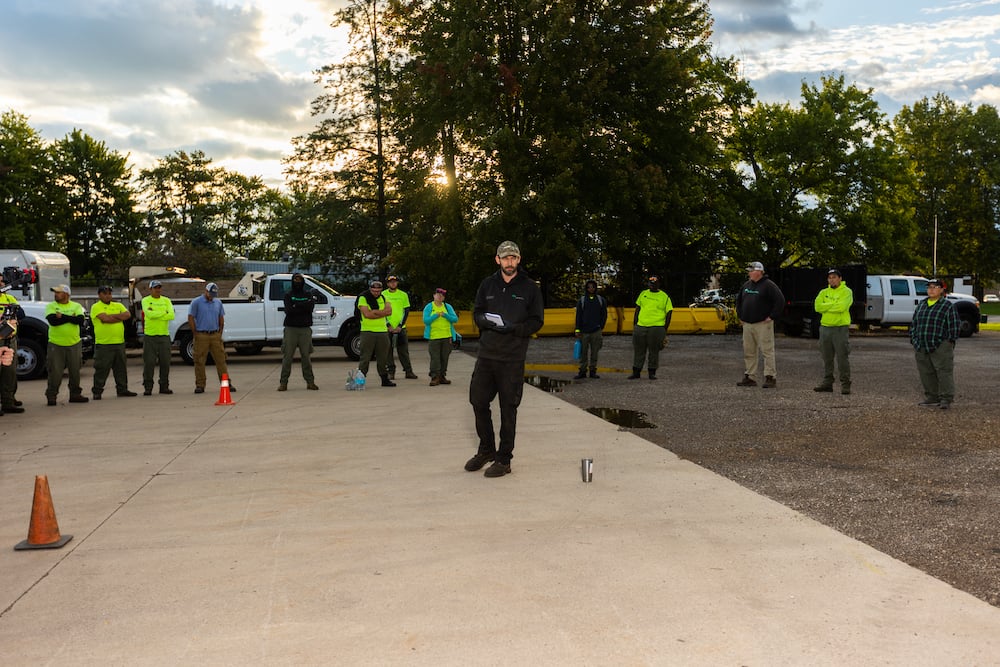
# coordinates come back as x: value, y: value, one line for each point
x: 225, y: 398
x: 43, y: 533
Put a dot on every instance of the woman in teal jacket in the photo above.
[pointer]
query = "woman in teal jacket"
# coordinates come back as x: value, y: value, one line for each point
x: 439, y: 330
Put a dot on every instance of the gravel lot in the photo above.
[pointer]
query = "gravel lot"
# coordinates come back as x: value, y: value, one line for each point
x: 922, y: 485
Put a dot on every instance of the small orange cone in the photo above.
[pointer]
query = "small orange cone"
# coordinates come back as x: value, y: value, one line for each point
x: 225, y: 398
x: 43, y: 533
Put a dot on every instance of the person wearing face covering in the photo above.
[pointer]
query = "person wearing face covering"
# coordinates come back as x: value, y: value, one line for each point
x: 298, y: 335
x: 653, y: 310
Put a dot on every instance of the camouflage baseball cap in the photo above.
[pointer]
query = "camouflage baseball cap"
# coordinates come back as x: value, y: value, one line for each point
x: 508, y: 248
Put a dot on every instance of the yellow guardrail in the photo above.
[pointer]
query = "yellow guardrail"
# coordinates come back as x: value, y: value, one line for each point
x: 562, y: 322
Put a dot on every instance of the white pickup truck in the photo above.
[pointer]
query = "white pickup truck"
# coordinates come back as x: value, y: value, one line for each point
x: 255, y: 311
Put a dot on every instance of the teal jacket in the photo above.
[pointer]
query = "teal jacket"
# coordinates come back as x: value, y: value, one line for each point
x: 429, y: 317
x: 834, y: 305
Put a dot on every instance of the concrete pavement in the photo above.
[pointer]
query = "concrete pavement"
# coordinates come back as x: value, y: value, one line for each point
x: 335, y: 527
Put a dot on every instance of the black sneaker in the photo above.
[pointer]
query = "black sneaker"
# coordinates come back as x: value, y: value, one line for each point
x: 594, y: 375
x: 147, y: 392
x: 497, y: 470
x: 97, y: 396
x: 164, y: 390
x: 477, y: 462
x: 127, y: 393
x: 580, y: 376
x: 198, y: 390
x: 929, y: 404
x: 50, y: 402
x: 386, y: 382
x: 78, y: 398
x: 12, y: 409
x: 824, y: 387
x: 747, y: 381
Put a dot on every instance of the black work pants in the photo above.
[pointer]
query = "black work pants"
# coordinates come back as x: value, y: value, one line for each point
x: 492, y: 378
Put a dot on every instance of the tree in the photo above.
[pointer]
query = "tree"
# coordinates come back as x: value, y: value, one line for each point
x: 99, y: 231
x: 181, y: 197
x: 822, y: 183
x: 342, y: 166
x: 32, y: 205
x: 586, y: 131
x: 954, y: 153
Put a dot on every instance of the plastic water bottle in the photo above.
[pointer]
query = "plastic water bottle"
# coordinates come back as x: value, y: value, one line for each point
x: 359, y: 381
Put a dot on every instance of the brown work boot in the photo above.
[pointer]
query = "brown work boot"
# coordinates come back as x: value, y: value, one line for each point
x: 770, y: 382
x: 747, y: 381
x: 435, y: 381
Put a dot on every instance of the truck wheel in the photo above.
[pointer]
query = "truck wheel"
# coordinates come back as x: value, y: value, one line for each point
x: 352, y: 344
x: 186, y: 345
x: 30, y: 359
x: 966, y: 327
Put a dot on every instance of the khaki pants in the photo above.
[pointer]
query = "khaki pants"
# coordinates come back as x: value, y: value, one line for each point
x: 203, y: 344
x: 758, y: 341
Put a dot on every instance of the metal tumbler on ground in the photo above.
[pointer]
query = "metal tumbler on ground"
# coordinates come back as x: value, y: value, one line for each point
x: 587, y: 469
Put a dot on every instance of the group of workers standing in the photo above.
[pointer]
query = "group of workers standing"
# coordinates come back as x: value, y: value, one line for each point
x: 759, y: 303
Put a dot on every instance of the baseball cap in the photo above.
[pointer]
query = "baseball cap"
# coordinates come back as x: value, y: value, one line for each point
x: 103, y: 289
x: 835, y: 272
x: 391, y: 278
x: 755, y: 266
x: 654, y: 279
x: 376, y: 284
x: 61, y: 288
x: 212, y: 287
x: 508, y: 248
x: 441, y: 290
x: 937, y: 282
x: 155, y: 283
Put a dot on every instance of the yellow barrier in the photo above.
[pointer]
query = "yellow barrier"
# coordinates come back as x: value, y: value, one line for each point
x: 562, y: 322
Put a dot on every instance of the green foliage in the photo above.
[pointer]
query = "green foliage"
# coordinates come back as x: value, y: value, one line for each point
x: 954, y: 155
x: 822, y: 182
x: 101, y: 221
x: 31, y: 202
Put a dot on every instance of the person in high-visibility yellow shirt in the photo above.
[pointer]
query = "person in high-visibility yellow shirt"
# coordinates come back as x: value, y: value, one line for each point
x: 833, y: 303
x: 157, y: 313
x: 65, y: 351
x: 109, y: 343
x: 653, y: 310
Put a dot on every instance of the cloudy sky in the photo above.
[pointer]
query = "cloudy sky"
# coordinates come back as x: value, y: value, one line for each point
x: 234, y: 78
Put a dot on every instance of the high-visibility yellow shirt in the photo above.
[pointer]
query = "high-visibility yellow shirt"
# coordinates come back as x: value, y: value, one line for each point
x: 377, y: 324
x: 108, y: 334
x: 64, y: 335
x: 157, y: 315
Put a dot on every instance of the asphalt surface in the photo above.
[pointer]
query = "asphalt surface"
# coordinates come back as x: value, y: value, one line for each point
x: 335, y: 527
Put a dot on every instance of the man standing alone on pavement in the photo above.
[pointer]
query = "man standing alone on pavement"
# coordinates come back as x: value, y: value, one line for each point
x: 207, y: 319
x: 398, y: 341
x: 65, y: 351
x: 653, y: 311
x: 299, y: 304
x: 109, y: 343
x: 591, y: 316
x: 508, y: 310
x: 933, y: 333
x: 157, y: 314
x: 758, y: 304
x: 833, y: 303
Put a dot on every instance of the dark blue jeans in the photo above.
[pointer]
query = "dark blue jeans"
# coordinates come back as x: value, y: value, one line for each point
x: 491, y: 378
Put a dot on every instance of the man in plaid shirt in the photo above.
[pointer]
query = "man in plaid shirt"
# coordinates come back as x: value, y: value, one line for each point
x: 933, y: 334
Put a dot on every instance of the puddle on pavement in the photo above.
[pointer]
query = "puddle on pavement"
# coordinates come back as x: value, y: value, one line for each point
x: 623, y: 418
x: 544, y: 383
